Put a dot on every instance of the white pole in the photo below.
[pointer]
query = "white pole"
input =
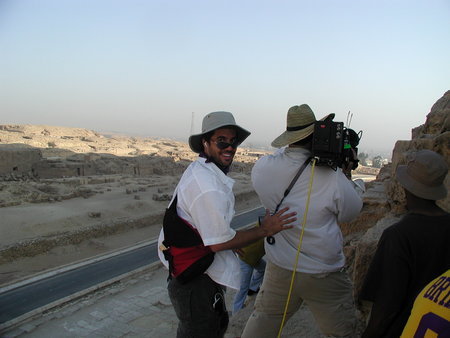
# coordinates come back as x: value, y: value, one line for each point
x: 192, y: 123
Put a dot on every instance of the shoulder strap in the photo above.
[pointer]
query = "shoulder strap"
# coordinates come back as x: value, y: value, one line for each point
x: 288, y: 190
x: 176, y: 231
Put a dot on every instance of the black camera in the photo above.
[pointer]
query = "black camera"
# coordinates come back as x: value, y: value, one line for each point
x: 334, y: 145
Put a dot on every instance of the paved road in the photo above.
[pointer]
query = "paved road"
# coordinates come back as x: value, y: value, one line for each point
x: 135, y: 307
x: 38, y: 293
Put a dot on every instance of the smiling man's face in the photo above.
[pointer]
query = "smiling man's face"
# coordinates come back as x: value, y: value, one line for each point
x: 219, y: 139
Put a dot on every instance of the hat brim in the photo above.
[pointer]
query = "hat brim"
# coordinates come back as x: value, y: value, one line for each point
x: 420, y: 190
x: 195, y: 141
x: 289, y: 137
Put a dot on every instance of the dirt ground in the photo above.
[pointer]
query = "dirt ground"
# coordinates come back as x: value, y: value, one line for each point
x: 118, y: 212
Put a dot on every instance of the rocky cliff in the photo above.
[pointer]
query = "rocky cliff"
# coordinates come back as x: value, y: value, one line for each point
x: 384, y: 200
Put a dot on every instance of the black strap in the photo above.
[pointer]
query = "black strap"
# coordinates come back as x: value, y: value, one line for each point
x: 271, y: 239
x: 176, y: 231
x: 179, y: 234
x: 299, y: 127
x: 288, y: 190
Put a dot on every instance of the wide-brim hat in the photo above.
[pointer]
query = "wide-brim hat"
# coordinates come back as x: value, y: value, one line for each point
x: 299, y: 125
x: 213, y: 121
x: 424, y: 175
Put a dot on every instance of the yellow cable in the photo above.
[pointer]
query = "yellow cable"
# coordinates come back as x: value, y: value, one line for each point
x: 305, y: 215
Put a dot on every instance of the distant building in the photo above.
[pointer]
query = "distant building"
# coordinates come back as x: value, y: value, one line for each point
x: 18, y: 159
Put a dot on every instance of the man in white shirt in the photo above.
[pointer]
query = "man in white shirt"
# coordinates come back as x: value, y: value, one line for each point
x: 204, y: 204
x: 319, y: 277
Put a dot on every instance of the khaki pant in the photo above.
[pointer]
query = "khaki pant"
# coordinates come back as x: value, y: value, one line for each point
x: 329, y: 296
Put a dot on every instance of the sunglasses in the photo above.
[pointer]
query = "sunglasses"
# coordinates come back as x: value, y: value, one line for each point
x: 224, y: 145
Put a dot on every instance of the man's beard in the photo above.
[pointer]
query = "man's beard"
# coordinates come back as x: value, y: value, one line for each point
x: 225, y: 168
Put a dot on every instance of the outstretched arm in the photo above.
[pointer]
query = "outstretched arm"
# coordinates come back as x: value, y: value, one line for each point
x: 271, y: 225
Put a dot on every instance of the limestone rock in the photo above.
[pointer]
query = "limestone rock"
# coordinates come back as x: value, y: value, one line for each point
x: 434, y: 134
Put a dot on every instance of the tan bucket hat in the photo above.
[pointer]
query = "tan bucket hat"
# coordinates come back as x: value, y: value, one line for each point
x: 424, y: 174
x: 213, y: 121
x: 300, y: 124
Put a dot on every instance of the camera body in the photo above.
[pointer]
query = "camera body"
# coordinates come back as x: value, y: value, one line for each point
x: 334, y: 145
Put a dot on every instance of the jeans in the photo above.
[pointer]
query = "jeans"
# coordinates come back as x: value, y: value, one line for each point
x: 200, y: 308
x: 251, y: 278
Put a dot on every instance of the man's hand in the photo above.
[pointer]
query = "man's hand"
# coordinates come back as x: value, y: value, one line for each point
x: 239, y: 252
x: 273, y: 224
x: 347, y: 169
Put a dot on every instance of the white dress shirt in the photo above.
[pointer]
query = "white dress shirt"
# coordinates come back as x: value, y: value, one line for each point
x: 206, y: 201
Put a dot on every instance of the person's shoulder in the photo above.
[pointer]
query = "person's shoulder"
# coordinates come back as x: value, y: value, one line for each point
x: 194, y: 165
x: 266, y: 160
x: 277, y: 153
x: 209, y: 177
x: 282, y: 155
x: 197, y: 163
x: 201, y: 168
x: 406, y: 225
x: 416, y: 218
x: 189, y: 171
x: 331, y: 177
x: 412, y: 221
x: 412, y: 225
x: 196, y: 171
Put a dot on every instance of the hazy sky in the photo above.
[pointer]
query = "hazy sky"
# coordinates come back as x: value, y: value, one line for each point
x: 146, y: 66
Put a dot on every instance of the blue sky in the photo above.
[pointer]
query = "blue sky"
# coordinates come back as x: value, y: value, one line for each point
x: 145, y: 67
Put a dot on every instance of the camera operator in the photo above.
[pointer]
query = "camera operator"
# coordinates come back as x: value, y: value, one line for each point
x: 319, y: 277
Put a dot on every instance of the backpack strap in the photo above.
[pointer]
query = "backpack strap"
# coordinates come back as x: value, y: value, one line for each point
x: 288, y: 190
x: 270, y: 239
x: 177, y: 232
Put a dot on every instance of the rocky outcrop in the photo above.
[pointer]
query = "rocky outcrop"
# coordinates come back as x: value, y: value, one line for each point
x: 384, y: 200
x: 434, y: 134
